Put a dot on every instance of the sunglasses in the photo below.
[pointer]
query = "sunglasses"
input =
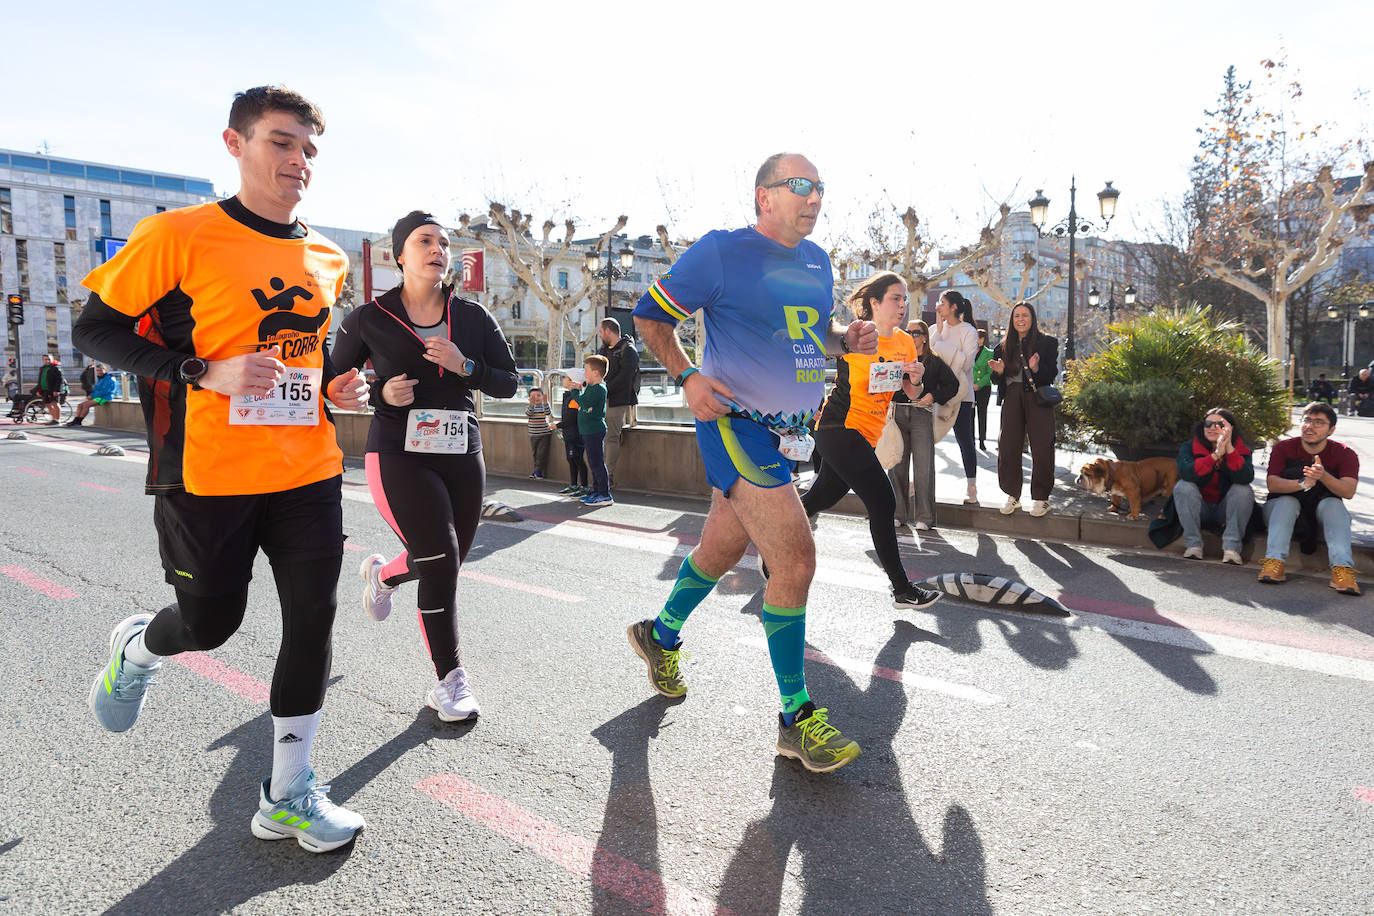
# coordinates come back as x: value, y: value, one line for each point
x: 801, y: 187
x: 917, y: 333
x: 1212, y: 424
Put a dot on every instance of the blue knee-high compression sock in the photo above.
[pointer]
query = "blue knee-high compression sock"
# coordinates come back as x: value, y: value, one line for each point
x: 785, y: 628
x: 691, y: 589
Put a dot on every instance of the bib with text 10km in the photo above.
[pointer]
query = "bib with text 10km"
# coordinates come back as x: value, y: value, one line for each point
x: 884, y: 377
x: 437, y: 432
x: 294, y: 402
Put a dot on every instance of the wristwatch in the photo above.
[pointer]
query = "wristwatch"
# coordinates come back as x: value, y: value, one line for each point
x: 469, y: 366
x: 192, y: 370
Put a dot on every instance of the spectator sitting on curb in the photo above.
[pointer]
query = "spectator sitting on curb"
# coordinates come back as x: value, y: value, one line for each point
x: 1362, y: 393
x: 622, y: 388
x: 1215, y: 468
x: 1321, y: 390
x: 103, y: 391
x: 1310, y: 478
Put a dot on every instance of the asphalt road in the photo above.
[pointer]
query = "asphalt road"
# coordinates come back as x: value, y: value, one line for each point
x: 1188, y: 742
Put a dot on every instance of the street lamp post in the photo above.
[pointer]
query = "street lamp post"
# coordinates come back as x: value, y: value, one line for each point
x: 1094, y: 297
x: 1071, y: 226
x: 1348, y: 329
x: 612, y: 271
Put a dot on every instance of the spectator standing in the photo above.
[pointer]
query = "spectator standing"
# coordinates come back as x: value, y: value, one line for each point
x: 102, y: 391
x: 982, y: 387
x: 622, y: 388
x: 1310, y: 479
x: 916, y: 502
x: 1215, y: 468
x: 541, y: 431
x: 1025, y: 360
x: 591, y: 423
x: 573, y: 447
x: 955, y: 340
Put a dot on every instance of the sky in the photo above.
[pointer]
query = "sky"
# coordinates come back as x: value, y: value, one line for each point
x: 663, y: 112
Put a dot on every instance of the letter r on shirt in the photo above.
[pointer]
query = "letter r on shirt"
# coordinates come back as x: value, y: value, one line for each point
x: 800, y: 320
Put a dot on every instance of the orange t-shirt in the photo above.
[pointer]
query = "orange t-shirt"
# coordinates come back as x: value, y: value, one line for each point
x: 214, y: 287
x: 850, y: 403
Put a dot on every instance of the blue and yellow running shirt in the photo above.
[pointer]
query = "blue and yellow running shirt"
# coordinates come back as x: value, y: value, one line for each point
x: 767, y: 311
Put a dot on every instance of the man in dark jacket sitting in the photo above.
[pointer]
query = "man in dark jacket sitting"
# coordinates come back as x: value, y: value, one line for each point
x: 622, y: 387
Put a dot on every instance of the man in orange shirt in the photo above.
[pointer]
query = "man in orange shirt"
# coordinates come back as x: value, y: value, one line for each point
x: 232, y: 303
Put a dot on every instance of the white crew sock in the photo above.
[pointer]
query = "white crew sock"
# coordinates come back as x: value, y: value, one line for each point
x: 137, y: 653
x: 292, y: 738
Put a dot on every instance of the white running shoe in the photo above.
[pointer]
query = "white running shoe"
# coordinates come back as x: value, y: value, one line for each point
x: 1039, y: 507
x: 1012, y: 505
x: 452, y: 698
x: 1192, y: 553
x: 376, y: 596
x: 1232, y: 557
x: 305, y: 813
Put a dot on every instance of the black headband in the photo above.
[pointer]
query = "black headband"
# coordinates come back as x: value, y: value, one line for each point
x: 408, y: 224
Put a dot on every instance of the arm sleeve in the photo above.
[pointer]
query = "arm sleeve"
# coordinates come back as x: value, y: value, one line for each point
x: 693, y: 282
x: 350, y: 351
x: 109, y: 336
x: 1049, y: 362
x: 496, y: 373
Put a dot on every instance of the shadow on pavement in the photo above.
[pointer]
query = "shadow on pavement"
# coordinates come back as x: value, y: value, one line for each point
x: 858, y: 842
x: 629, y: 827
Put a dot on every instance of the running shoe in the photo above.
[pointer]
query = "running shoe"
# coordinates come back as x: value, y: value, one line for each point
x: 581, y: 491
x: 376, y: 596
x: 305, y: 813
x: 118, y: 692
x: 664, y: 674
x: 1011, y: 506
x: 569, y: 490
x: 1039, y: 507
x: 598, y: 499
x: 814, y: 741
x: 915, y: 597
x: 452, y: 698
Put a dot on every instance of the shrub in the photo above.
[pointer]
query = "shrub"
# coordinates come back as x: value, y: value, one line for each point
x: 1158, y: 374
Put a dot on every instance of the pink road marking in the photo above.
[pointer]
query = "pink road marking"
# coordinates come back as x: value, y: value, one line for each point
x: 574, y: 854
x: 1364, y: 794
x: 348, y: 546
x: 878, y: 670
x: 96, y: 486
x: 520, y: 586
x: 1315, y: 642
x: 217, y: 672
x: 33, y: 472
x: 37, y: 582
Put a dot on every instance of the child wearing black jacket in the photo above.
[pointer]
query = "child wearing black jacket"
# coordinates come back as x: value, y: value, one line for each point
x: 572, y: 441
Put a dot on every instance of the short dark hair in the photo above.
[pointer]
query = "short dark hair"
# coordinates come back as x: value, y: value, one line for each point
x: 766, y: 175
x: 610, y: 324
x: 600, y: 362
x: 1322, y: 408
x: 251, y: 105
x: 875, y: 287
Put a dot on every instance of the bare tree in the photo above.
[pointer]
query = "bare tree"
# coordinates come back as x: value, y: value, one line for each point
x: 532, y: 262
x: 987, y: 272
x: 908, y: 251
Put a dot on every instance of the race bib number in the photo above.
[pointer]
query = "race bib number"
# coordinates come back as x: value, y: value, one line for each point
x: 796, y: 446
x: 883, y: 377
x: 294, y: 402
x: 437, y: 432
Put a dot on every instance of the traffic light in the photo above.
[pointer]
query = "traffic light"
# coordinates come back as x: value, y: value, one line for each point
x: 15, y: 309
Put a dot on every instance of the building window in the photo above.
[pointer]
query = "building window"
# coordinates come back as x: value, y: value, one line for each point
x: 69, y: 215
x: 562, y: 279
x: 59, y: 257
x: 106, y: 229
x: 21, y: 255
x: 6, y: 211
x: 515, y: 311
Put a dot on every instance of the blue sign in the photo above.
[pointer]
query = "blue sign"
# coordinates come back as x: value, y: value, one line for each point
x: 110, y: 247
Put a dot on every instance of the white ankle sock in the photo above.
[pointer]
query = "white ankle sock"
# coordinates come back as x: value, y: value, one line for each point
x: 292, y: 738
x: 137, y: 653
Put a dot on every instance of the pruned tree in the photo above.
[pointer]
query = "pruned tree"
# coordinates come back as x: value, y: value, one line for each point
x: 987, y: 273
x: 1274, y: 214
x: 908, y: 251
x: 508, y: 235
x: 691, y: 332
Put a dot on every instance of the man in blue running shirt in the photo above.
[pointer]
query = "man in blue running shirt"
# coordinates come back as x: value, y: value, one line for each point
x: 765, y: 294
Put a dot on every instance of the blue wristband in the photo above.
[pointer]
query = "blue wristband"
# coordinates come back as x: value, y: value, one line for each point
x: 685, y: 373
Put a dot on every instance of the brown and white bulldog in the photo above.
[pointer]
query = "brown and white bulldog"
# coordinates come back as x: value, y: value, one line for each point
x: 1135, y: 481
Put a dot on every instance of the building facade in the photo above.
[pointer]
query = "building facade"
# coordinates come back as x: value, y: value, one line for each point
x: 59, y: 218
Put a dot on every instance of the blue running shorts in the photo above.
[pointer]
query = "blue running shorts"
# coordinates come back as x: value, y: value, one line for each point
x: 734, y: 448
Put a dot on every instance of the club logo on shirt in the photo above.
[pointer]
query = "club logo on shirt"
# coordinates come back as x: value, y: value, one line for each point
x: 296, y: 334
x: 809, y: 355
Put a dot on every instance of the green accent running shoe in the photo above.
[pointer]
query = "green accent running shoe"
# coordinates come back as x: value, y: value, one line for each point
x: 664, y: 674
x: 815, y: 742
x: 118, y: 692
x: 305, y: 814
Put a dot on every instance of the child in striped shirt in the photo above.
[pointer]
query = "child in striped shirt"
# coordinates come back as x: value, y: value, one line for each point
x: 541, y: 431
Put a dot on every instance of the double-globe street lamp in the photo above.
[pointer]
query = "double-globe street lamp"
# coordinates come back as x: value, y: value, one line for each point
x: 1348, y: 328
x: 1094, y: 297
x: 612, y: 271
x: 1071, y: 226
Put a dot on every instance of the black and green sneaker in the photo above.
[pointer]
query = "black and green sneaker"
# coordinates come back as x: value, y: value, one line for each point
x: 664, y: 674
x: 815, y: 742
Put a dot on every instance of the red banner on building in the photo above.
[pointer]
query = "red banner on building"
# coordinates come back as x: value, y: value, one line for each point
x: 474, y: 270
